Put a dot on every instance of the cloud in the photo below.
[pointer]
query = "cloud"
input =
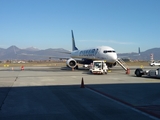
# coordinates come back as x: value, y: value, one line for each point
x: 118, y: 42
x: 108, y: 41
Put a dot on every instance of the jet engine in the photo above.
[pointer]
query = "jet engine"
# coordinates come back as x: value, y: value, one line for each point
x: 71, y: 63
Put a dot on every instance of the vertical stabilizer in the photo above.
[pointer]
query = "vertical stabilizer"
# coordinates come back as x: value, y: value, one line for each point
x: 73, y: 42
x: 139, y: 51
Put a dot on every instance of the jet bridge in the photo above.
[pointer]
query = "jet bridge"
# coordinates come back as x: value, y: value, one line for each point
x: 122, y: 64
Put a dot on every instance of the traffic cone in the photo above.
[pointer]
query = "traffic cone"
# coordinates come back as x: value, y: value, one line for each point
x: 22, y: 67
x: 82, y: 83
x: 128, y: 71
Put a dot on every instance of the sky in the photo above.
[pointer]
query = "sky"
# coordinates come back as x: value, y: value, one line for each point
x: 123, y: 25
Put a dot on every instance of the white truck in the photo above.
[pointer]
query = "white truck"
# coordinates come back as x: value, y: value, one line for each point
x: 154, y: 63
x: 150, y: 73
x: 98, y: 67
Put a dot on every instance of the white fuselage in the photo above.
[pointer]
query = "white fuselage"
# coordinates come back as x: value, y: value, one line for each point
x: 99, y: 53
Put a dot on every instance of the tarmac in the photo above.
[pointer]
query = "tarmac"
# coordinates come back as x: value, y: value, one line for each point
x: 58, y: 93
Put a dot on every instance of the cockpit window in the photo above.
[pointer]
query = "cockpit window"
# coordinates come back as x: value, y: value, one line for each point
x: 109, y: 51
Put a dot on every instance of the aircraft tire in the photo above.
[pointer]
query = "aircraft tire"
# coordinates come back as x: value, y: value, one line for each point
x: 138, y: 72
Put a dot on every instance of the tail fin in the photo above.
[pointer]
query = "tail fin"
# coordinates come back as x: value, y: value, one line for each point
x: 139, y: 51
x: 73, y: 42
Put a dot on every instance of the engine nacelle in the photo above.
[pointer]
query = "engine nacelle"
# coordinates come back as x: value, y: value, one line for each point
x: 71, y: 63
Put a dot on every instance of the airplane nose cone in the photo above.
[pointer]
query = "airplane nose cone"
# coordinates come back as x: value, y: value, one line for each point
x: 113, y: 57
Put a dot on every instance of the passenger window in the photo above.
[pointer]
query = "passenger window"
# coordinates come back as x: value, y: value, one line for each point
x: 105, y: 51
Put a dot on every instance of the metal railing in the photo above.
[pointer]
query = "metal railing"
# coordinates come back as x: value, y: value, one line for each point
x: 122, y: 64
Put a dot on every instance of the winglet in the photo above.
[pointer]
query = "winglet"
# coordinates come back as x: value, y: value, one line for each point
x: 73, y: 42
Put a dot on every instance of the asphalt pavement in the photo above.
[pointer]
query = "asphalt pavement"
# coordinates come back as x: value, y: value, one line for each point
x: 56, y: 93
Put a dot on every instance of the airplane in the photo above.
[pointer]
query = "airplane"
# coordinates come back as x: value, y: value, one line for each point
x: 87, y: 56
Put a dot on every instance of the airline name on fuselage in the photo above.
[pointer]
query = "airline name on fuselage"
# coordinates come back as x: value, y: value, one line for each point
x: 90, y: 52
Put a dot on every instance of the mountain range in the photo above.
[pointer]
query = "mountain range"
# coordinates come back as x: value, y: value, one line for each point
x: 15, y: 53
x: 145, y: 55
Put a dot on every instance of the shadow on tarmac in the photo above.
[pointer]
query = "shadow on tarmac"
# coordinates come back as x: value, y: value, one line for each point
x: 44, y: 101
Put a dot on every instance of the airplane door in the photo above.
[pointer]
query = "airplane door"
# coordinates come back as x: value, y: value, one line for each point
x: 97, y: 55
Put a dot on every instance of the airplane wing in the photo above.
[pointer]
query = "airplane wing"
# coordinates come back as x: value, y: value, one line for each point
x: 24, y: 54
x: 36, y: 54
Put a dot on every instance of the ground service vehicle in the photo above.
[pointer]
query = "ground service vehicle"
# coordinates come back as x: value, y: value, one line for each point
x: 99, y: 67
x: 150, y: 73
x: 154, y: 63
